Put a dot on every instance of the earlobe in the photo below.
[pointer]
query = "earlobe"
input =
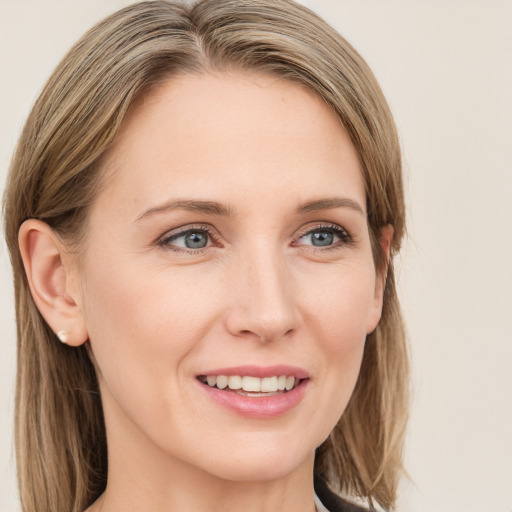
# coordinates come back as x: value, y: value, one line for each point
x: 385, y: 241
x: 48, y: 270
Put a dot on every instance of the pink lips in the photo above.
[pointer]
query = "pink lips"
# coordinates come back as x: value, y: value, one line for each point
x: 261, y: 407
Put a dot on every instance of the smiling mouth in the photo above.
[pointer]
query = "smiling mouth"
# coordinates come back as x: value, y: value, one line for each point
x: 251, y: 386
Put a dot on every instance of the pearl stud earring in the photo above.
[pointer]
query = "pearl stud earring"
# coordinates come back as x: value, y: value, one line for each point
x: 63, y: 336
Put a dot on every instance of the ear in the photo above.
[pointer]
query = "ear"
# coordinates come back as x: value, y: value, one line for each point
x: 53, y: 281
x: 385, y: 240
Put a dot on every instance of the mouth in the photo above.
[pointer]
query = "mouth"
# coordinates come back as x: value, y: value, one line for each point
x: 248, y: 385
x: 254, y: 391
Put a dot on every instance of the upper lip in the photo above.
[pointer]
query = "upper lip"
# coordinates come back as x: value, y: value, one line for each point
x: 260, y: 371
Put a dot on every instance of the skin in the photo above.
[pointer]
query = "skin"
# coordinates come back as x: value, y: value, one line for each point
x: 157, y: 314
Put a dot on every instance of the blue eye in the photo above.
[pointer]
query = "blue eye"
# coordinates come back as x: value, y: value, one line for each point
x: 194, y: 238
x: 325, y: 236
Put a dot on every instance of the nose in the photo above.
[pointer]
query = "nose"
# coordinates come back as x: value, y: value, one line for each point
x: 263, y: 303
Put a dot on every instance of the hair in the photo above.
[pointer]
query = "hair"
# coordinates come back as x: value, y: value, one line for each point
x: 56, y: 173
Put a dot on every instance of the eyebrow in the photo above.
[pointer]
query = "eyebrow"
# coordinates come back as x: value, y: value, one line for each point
x: 330, y: 203
x: 191, y: 205
x: 215, y: 208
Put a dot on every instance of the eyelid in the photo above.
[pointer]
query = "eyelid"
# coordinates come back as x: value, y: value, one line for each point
x: 341, y: 232
x: 163, y: 241
x: 321, y: 225
x: 172, y: 234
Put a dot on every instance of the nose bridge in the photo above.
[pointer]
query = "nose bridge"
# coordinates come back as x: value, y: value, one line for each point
x: 264, y: 304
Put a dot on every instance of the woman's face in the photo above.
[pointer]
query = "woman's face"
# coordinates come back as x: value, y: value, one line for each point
x: 229, y: 247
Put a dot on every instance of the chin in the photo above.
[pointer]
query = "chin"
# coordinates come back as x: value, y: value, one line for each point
x: 256, y: 471
x: 261, y: 461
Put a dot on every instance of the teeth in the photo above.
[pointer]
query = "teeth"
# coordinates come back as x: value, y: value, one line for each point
x: 269, y: 384
x: 222, y: 381
x: 234, y: 382
x: 252, y: 384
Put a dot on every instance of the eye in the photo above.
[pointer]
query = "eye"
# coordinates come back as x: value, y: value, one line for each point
x: 330, y: 236
x: 188, y: 240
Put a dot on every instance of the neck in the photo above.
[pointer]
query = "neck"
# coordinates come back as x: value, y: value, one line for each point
x: 181, y: 487
x: 142, y: 477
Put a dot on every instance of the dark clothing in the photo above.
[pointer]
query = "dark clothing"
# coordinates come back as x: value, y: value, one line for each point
x: 332, y: 502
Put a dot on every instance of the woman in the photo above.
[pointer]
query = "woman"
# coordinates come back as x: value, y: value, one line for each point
x: 202, y: 214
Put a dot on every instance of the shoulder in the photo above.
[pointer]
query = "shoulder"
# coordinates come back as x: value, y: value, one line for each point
x: 333, y: 502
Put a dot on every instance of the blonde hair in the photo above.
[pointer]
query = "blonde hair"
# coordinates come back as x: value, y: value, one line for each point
x: 54, y: 176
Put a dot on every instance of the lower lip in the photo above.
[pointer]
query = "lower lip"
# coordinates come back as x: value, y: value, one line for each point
x: 262, y: 407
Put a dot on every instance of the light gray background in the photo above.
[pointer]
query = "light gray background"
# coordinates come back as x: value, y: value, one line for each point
x: 446, y: 69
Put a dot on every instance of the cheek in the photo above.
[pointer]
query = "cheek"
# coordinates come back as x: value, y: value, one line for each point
x: 141, y: 315
x: 340, y: 304
x: 143, y: 327
x: 142, y: 331
x: 339, y: 319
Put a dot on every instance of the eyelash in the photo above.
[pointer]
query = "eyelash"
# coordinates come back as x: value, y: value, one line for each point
x: 168, y: 237
x: 345, y: 238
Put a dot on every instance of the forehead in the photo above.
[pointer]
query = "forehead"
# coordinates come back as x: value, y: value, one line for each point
x: 236, y: 129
